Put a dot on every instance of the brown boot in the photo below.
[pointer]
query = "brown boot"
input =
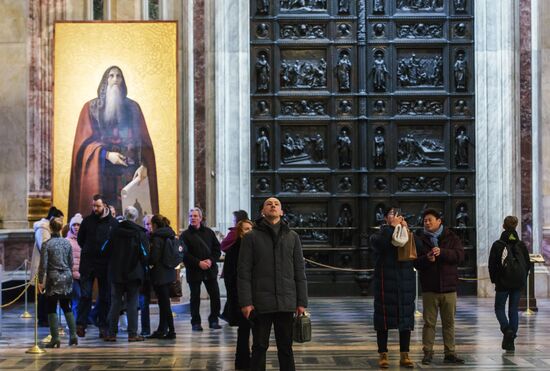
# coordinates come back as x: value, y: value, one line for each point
x: 405, y: 360
x: 383, y: 361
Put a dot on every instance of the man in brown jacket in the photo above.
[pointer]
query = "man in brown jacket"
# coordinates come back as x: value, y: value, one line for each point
x: 440, y: 252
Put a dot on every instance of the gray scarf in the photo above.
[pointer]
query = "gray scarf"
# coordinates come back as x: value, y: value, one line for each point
x: 434, y: 235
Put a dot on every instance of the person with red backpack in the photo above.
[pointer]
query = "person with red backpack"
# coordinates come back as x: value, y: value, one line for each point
x: 508, y: 268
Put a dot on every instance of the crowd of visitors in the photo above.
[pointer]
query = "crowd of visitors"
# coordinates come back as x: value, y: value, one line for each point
x: 264, y: 275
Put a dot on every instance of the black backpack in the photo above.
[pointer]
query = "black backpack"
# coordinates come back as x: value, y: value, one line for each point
x: 172, y: 255
x: 513, y: 273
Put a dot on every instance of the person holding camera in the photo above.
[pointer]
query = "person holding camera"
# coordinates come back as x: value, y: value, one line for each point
x: 394, y: 291
x: 440, y: 251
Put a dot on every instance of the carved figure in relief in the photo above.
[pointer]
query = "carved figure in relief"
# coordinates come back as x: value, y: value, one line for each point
x: 378, y: 7
x: 462, y: 142
x: 460, y: 71
x: 379, y: 151
x: 344, y: 29
x: 344, y: 149
x: 460, y: 6
x: 379, y: 215
x: 343, y: 6
x: 379, y: 72
x: 343, y: 72
x: 345, y: 220
x: 262, y: 72
x: 380, y: 184
x: 345, y: 184
x: 262, y: 30
x: 262, y: 7
x: 461, y: 183
x: 263, y: 185
x: 460, y: 29
x: 344, y: 106
x: 263, y: 107
x: 462, y: 218
x: 378, y: 29
x: 262, y: 149
x: 379, y: 107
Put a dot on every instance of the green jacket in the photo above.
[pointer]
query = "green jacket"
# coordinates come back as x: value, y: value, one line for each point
x: 271, y: 272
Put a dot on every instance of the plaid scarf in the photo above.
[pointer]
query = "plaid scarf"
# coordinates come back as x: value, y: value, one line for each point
x: 434, y: 235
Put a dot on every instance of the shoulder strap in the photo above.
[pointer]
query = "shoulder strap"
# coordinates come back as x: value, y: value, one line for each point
x: 201, y: 241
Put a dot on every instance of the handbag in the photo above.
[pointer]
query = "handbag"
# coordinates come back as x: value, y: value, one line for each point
x: 407, y: 252
x: 301, y: 329
x: 400, y: 236
x: 175, y: 290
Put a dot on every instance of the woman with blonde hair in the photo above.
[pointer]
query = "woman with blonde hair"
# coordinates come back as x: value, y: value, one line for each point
x: 235, y: 317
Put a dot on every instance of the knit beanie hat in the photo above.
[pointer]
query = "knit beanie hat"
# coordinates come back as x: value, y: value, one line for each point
x: 76, y: 219
x: 510, y: 223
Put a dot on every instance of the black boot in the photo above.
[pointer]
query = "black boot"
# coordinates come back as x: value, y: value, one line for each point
x: 508, y: 339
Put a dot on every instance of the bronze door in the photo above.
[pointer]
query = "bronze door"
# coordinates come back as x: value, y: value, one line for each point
x: 358, y: 105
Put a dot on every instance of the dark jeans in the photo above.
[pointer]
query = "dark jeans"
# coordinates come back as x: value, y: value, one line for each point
x: 242, y: 355
x: 86, y: 286
x: 75, y: 296
x: 512, y: 320
x: 215, y: 305
x: 144, y: 302
x: 261, y: 329
x: 382, y: 340
x: 51, y: 303
x: 131, y: 289
x: 166, y: 320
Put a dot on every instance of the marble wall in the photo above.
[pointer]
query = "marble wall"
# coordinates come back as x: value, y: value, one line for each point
x: 13, y: 114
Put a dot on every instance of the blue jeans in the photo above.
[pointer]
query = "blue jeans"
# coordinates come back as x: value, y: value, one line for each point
x: 500, y: 309
x: 75, y: 297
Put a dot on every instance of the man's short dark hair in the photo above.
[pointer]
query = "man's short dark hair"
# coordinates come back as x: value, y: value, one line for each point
x: 54, y: 212
x: 388, y: 209
x: 240, y: 215
x: 433, y: 212
x: 98, y: 196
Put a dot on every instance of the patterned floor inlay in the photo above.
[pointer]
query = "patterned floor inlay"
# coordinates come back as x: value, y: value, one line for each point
x: 343, y: 339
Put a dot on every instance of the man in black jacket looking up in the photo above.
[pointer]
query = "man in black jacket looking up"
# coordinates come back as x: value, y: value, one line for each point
x: 201, y: 254
x: 93, y: 233
x: 272, y: 284
x: 127, y: 251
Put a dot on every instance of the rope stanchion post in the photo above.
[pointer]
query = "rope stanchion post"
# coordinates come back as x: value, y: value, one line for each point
x: 417, y: 313
x: 528, y: 311
x: 26, y: 314
x: 35, y: 349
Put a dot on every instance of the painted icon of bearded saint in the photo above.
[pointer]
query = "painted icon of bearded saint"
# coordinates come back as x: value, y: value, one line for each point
x: 112, y: 148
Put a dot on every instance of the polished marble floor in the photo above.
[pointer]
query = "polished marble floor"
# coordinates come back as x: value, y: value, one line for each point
x: 343, y: 339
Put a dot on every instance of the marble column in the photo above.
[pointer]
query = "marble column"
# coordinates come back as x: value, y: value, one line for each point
x: 41, y: 18
x: 232, y: 89
x: 13, y: 114
x: 498, y: 174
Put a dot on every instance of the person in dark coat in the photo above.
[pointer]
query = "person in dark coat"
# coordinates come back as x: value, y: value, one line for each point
x: 94, y: 231
x: 272, y: 284
x: 440, y: 251
x: 201, y: 255
x: 127, y: 251
x: 162, y: 276
x: 226, y: 244
x: 233, y: 312
x: 394, y: 291
x: 504, y: 289
x: 55, y: 276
